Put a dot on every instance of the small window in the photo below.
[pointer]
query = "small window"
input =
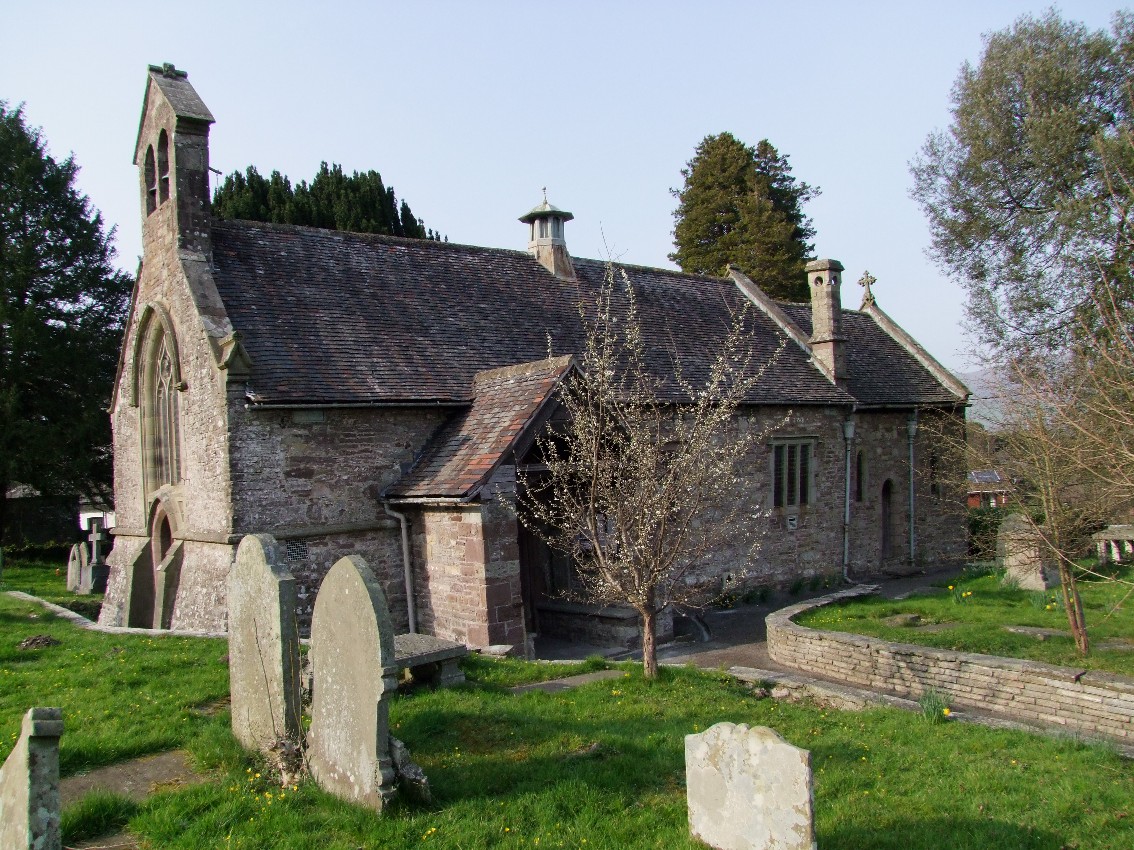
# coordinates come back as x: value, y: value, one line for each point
x: 163, y: 167
x: 151, y: 181
x: 934, y: 470
x: 543, y: 228
x: 791, y: 474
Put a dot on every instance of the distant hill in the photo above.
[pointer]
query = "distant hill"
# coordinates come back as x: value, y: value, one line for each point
x: 985, y: 405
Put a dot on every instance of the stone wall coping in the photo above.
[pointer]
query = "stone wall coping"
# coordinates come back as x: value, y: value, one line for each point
x: 43, y: 723
x: 783, y: 619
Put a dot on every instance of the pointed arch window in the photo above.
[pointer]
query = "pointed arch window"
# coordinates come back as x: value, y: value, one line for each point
x: 151, y: 181
x: 163, y: 167
x: 160, y: 373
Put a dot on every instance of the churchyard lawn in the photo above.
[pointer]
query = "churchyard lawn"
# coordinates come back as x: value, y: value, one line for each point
x: 599, y: 766
x: 970, y: 615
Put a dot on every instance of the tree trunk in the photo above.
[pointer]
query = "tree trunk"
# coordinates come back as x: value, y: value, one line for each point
x: 1073, y: 606
x: 649, y: 644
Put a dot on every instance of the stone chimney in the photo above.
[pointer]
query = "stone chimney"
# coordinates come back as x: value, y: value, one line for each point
x: 828, y: 345
x: 546, y: 242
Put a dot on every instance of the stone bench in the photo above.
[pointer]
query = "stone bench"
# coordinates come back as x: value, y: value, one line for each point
x: 430, y: 659
x: 1114, y: 541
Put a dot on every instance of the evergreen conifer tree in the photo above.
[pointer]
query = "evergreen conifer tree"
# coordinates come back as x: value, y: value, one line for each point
x: 62, y: 306
x: 359, y: 203
x: 741, y: 206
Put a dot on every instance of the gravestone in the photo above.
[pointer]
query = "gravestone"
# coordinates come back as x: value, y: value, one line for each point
x: 100, y: 570
x: 354, y: 675
x: 1024, y: 556
x: 78, y: 569
x: 263, y: 646
x: 747, y: 789
x: 30, y: 811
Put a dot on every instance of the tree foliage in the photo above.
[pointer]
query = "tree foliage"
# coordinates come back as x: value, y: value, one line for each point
x: 62, y: 306
x: 359, y: 203
x: 638, y: 490
x: 1018, y: 190
x: 741, y: 206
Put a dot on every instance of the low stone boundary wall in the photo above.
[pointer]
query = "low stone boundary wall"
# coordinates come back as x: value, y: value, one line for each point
x: 83, y: 623
x: 1088, y: 703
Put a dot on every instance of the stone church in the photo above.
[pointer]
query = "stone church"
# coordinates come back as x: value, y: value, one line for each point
x: 367, y: 394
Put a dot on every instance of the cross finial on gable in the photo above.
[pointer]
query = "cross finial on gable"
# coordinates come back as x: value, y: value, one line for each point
x: 167, y: 69
x: 866, y: 281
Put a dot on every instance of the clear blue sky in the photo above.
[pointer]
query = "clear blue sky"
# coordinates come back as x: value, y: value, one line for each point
x: 468, y: 108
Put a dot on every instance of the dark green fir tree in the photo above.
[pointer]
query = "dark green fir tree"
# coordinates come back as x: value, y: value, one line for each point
x: 359, y: 203
x: 740, y: 205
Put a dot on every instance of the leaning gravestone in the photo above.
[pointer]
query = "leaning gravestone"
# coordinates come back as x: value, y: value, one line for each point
x: 748, y: 789
x: 78, y: 569
x: 1022, y: 554
x: 352, y: 659
x: 30, y: 810
x: 263, y: 646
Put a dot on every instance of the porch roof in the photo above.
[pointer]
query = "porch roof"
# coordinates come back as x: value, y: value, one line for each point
x: 465, y: 452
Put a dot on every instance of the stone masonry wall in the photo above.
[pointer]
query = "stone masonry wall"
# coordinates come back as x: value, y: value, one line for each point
x: 1091, y: 703
x: 468, y: 580
x: 201, y: 501
x: 314, y: 479
x: 814, y: 547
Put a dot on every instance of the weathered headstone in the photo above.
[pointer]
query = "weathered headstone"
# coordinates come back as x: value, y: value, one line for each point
x: 78, y: 569
x: 30, y: 811
x: 99, y: 569
x: 1023, y: 555
x: 354, y: 675
x: 263, y: 646
x: 748, y: 788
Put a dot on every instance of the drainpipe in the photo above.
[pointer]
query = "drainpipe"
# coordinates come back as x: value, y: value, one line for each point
x: 911, y: 429
x: 848, y: 437
x: 407, y: 565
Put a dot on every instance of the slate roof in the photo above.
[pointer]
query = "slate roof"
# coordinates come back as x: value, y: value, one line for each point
x: 334, y: 317
x: 879, y: 370
x: 463, y: 454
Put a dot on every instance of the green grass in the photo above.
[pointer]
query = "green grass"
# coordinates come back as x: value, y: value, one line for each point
x: 976, y: 608
x: 524, y: 771
x: 48, y: 580
x: 98, y: 813
x: 122, y: 695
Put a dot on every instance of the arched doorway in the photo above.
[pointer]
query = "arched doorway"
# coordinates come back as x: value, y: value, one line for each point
x: 887, y: 523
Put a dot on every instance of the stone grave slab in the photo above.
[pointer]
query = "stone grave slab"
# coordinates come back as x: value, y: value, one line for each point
x: 748, y: 788
x: 263, y: 646
x: 353, y: 676
x: 430, y: 658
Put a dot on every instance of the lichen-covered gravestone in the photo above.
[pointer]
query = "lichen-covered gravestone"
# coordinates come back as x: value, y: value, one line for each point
x: 1023, y: 555
x: 29, y: 785
x: 748, y: 789
x: 78, y: 569
x: 263, y: 646
x: 352, y: 658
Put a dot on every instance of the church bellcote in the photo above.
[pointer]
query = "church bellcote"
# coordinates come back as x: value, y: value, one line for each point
x: 172, y: 156
x: 546, y: 242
